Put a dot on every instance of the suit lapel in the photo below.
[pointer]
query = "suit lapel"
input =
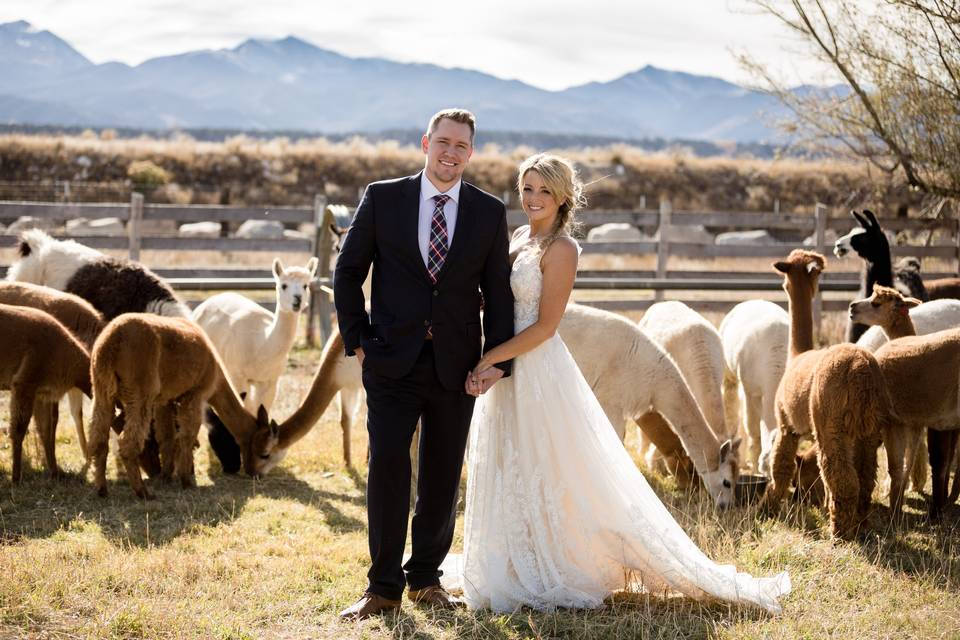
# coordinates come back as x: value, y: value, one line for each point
x: 410, y: 209
x: 463, y: 230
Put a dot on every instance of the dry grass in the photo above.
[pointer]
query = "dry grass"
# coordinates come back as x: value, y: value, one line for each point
x: 277, y: 558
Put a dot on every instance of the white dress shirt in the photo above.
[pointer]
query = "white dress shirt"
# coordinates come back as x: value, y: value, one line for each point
x: 427, y: 205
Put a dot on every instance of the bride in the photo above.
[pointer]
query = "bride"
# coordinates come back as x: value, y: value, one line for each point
x: 557, y: 513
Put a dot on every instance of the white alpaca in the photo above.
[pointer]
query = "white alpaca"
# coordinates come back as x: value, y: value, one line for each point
x: 252, y: 342
x: 756, y: 339
x: 634, y: 378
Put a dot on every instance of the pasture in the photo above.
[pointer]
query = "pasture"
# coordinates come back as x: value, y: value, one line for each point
x: 280, y: 556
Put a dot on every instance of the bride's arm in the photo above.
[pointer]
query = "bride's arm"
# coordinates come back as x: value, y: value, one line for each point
x: 559, y: 271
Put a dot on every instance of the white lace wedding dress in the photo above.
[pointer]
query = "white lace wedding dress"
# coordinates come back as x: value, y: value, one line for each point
x: 557, y: 513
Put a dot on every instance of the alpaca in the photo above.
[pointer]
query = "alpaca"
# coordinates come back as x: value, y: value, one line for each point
x: 755, y: 336
x: 112, y: 285
x: 144, y: 363
x: 39, y: 362
x: 870, y: 243
x: 838, y: 395
x: 253, y: 344
x: 923, y: 374
x: 77, y: 316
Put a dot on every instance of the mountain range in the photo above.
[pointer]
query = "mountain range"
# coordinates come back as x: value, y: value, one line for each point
x: 291, y: 84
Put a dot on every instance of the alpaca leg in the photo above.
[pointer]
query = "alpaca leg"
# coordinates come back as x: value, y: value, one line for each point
x: 21, y: 407
x: 653, y: 425
x: 75, y: 400
x: 768, y: 431
x: 840, y: 480
x: 165, y: 433
x: 101, y: 431
x: 783, y: 465
x: 135, y: 432
x: 955, y: 488
x: 349, y: 405
x: 731, y: 403
x: 918, y: 471
x: 866, y: 462
x: 189, y: 418
x: 268, y: 397
x: 754, y: 406
x: 941, y: 445
x: 895, y: 439
x: 47, y: 414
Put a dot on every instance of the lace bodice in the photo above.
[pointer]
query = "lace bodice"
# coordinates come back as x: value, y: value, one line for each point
x: 526, y: 282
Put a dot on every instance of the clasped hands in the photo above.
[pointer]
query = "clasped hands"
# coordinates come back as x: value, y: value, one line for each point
x: 481, y: 378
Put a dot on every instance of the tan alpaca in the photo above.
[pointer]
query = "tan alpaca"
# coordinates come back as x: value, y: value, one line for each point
x: 39, y: 361
x: 838, y: 396
x: 79, y: 318
x: 923, y: 374
x: 144, y: 361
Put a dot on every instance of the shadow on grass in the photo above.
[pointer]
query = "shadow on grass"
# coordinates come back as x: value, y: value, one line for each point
x: 39, y: 506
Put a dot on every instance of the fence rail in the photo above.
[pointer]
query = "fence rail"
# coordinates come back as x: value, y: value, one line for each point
x: 661, y: 279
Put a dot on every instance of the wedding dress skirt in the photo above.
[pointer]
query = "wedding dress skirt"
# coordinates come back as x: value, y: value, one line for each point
x: 557, y: 513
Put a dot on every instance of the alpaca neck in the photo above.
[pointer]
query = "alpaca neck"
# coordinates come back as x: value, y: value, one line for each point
x: 280, y: 334
x: 322, y: 390
x: 878, y: 272
x: 225, y: 402
x: 801, y: 324
x: 900, y: 327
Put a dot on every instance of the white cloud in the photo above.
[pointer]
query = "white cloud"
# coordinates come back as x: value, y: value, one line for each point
x: 549, y: 44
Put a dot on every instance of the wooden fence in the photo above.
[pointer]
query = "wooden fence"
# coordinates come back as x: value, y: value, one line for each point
x: 659, y: 280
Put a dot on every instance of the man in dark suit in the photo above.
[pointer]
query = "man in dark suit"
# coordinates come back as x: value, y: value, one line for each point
x: 435, y: 243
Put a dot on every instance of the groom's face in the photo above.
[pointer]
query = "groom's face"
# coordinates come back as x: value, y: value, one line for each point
x: 448, y: 149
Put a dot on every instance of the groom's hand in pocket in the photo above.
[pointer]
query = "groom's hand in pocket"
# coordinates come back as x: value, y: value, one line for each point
x: 360, y: 355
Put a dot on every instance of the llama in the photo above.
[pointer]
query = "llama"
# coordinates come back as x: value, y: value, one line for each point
x: 923, y: 374
x: 870, y: 243
x: 253, y: 344
x: 39, y: 362
x: 77, y: 316
x: 838, y: 395
x: 755, y: 336
x: 144, y: 363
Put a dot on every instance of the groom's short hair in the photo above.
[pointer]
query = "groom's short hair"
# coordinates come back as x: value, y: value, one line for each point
x: 457, y: 115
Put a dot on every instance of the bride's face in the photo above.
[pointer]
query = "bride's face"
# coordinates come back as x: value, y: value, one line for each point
x: 538, y: 201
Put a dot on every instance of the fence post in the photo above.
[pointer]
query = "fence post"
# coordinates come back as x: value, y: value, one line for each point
x: 820, y: 214
x: 319, y: 302
x: 663, y: 245
x: 133, y: 224
x: 956, y: 241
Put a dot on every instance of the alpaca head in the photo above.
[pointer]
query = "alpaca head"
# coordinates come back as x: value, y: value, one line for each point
x: 259, y: 451
x: 721, y: 482
x: 48, y: 261
x: 801, y: 271
x: 867, y: 240
x: 293, y: 285
x: 885, y: 307
x: 907, y: 278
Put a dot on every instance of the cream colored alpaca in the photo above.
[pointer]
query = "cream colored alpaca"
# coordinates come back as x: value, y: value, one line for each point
x: 635, y: 379
x: 837, y: 395
x: 923, y: 374
x: 141, y: 362
x: 78, y: 317
x: 756, y: 339
x: 39, y: 361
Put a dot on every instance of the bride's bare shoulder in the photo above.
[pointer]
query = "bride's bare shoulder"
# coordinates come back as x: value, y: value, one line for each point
x: 563, y: 251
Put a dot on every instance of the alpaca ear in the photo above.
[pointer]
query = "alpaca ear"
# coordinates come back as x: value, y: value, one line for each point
x: 910, y: 303
x: 312, y: 266
x: 872, y: 219
x: 859, y: 218
x: 814, y: 267
x: 262, y: 417
x: 781, y: 266
x: 277, y: 267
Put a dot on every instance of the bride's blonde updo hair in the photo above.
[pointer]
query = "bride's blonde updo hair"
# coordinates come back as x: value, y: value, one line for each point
x: 565, y: 185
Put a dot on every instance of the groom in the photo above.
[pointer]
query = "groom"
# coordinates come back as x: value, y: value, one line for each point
x: 435, y: 242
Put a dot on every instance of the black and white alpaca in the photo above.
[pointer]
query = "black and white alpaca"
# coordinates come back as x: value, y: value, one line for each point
x: 112, y: 285
x: 870, y: 243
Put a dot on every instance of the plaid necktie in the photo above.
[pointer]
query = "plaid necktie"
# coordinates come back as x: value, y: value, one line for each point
x: 437, y: 252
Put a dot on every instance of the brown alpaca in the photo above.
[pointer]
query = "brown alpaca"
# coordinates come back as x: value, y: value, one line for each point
x: 79, y: 318
x: 923, y: 373
x: 838, y: 396
x: 39, y: 361
x: 143, y: 362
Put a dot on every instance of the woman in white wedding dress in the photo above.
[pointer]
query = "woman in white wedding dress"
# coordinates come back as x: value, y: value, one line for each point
x: 557, y: 513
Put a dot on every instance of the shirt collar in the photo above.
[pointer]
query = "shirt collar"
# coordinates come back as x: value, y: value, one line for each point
x: 428, y: 190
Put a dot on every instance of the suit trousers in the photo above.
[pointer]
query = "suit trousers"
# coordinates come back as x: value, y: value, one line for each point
x: 393, y: 408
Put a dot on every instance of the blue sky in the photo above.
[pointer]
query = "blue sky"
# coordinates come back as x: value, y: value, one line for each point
x: 550, y: 44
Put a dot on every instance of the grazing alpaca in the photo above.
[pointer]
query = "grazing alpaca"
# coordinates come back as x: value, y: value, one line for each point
x: 756, y: 339
x: 837, y: 395
x: 253, y: 344
x: 923, y: 373
x: 112, y: 285
x: 144, y: 362
x: 39, y: 361
x: 870, y: 243
x: 77, y: 316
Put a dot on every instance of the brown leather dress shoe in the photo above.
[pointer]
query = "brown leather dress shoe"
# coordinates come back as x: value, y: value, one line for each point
x: 369, y: 605
x: 435, y: 596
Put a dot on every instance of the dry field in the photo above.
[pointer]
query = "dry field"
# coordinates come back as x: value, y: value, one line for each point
x: 278, y: 557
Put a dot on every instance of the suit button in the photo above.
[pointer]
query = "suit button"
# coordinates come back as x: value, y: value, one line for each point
x: 435, y: 293
x: 426, y: 323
